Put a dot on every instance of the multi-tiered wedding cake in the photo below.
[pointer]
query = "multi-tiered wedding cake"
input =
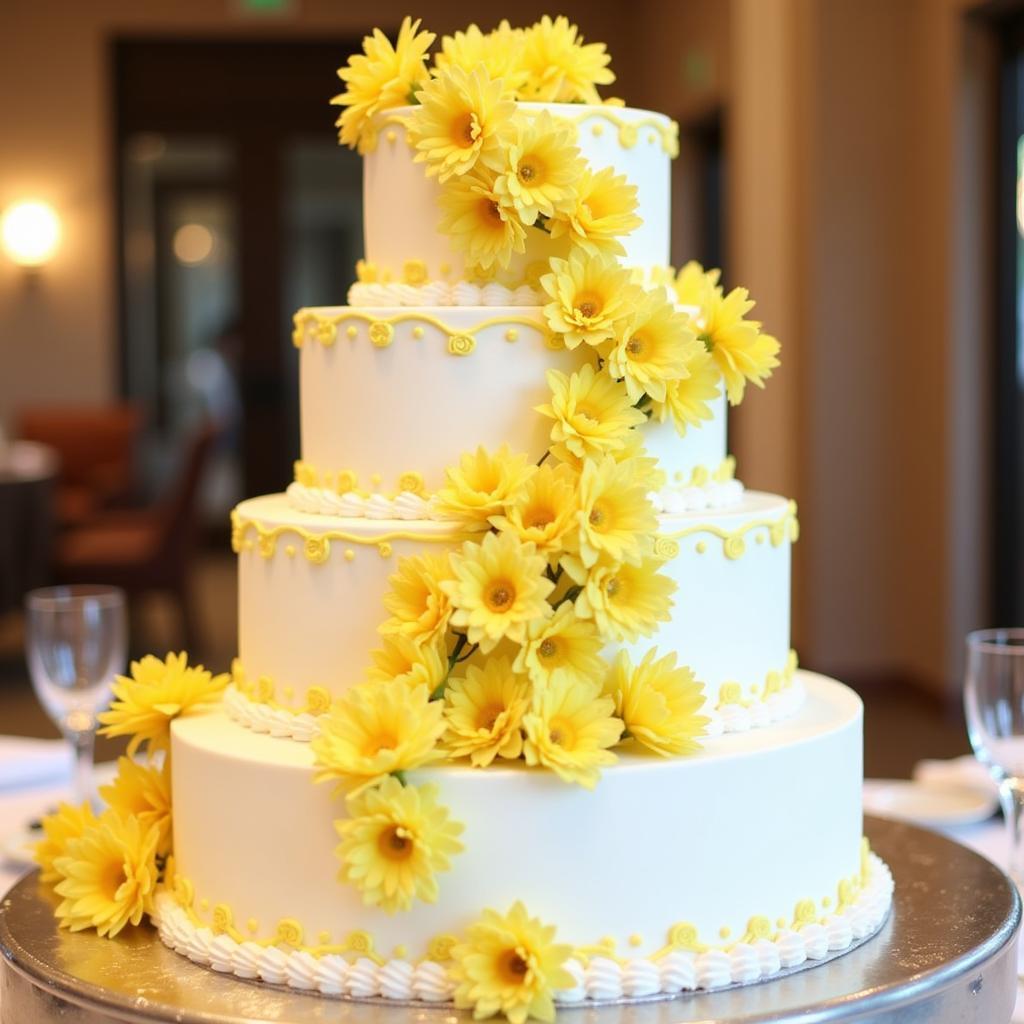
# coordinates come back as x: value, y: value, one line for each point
x: 515, y: 720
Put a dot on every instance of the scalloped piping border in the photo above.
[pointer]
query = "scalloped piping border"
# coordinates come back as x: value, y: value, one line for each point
x: 599, y: 979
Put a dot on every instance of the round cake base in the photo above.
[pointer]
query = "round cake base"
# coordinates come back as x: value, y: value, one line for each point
x: 947, y: 952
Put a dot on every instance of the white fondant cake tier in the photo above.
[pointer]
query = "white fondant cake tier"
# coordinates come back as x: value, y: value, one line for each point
x: 400, y: 203
x: 764, y: 825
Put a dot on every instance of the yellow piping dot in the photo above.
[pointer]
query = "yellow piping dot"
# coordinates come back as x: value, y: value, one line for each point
x: 417, y: 332
x: 290, y: 550
x: 702, y: 546
x: 511, y: 334
x: 204, y: 904
x: 724, y: 932
x: 325, y: 937
x: 597, y: 131
x: 252, y: 925
x: 384, y: 549
x: 400, y: 952
x: 349, y: 554
x: 781, y: 922
x: 636, y: 940
x: 351, y: 330
x: 391, y: 136
x: 375, y: 479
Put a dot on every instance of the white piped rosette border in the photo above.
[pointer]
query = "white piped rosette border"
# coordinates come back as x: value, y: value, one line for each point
x: 598, y: 979
x: 731, y: 718
x: 370, y: 295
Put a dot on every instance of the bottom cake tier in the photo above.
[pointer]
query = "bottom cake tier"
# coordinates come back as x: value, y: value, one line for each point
x: 726, y: 867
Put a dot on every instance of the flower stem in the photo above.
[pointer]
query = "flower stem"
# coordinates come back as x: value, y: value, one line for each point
x: 570, y: 595
x: 543, y: 458
x: 453, y: 660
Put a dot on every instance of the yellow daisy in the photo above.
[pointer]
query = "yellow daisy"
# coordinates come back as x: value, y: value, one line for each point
x: 143, y: 792
x: 540, y: 169
x: 498, y: 52
x: 108, y: 875
x: 569, y: 730
x: 696, y: 286
x: 616, y: 518
x: 482, y: 483
x: 603, y: 212
x: 647, y: 471
x: 66, y: 823
x: 544, y: 511
x: 592, y: 412
x: 562, y: 647
x: 484, y: 711
x: 589, y: 294
x: 380, y: 77
x: 686, y: 400
x: 498, y: 590
x: 742, y: 352
x: 560, y: 67
x: 626, y: 601
x: 463, y: 117
x: 653, y: 348
x: 157, y: 693
x: 477, y: 223
x: 659, y: 702
x: 376, y: 729
x: 394, y: 842
x: 414, y: 663
x: 419, y: 608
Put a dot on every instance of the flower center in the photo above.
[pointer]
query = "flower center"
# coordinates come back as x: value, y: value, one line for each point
x: 537, y: 517
x: 465, y: 129
x: 111, y: 879
x: 548, y: 648
x: 613, y: 586
x: 635, y: 346
x: 395, y: 843
x: 588, y: 305
x: 560, y: 733
x: 375, y: 744
x: 598, y: 516
x: 488, y: 716
x: 515, y: 965
x: 529, y: 171
x: 491, y: 211
x: 500, y: 595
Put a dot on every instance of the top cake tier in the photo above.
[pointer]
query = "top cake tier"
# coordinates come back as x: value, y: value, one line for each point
x: 404, y: 242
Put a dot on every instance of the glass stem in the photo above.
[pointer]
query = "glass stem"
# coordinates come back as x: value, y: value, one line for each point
x: 84, y: 743
x: 1011, y: 794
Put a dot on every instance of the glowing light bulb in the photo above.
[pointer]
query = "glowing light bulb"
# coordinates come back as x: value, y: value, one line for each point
x: 192, y: 243
x: 31, y: 233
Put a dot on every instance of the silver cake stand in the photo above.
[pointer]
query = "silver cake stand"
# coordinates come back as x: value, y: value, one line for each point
x: 948, y: 952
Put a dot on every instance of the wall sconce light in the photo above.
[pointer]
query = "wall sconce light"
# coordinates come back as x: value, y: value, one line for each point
x: 30, y: 232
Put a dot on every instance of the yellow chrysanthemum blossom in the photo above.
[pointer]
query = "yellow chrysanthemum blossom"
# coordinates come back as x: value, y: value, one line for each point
x: 687, y: 400
x: 589, y: 294
x: 66, y: 823
x: 414, y: 663
x: 569, y: 730
x: 463, y: 117
x: 604, y: 211
x: 737, y: 345
x: 419, y: 608
x: 483, y: 483
x: 562, y: 647
x: 477, y: 224
x: 156, y: 693
x: 380, y: 77
x: 108, y: 875
x: 484, y: 711
x: 696, y: 286
x: 499, y: 53
x: 498, y: 590
x: 376, y: 729
x: 393, y: 844
x: 510, y: 964
x: 560, y: 67
x: 540, y: 169
x: 659, y: 702
x: 625, y: 601
x: 616, y: 518
x: 143, y: 792
x: 592, y: 412
x: 544, y: 511
x: 647, y: 471
x: 653, y: 348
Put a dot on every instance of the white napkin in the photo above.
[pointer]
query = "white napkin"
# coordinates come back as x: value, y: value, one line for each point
x: 26, y: 762
x: 960, y: 771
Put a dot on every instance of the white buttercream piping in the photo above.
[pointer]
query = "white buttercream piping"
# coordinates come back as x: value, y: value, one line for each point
x: 716, y: 494
x: 351, y: 505
x: 265, y: 718
x: 440, y: 293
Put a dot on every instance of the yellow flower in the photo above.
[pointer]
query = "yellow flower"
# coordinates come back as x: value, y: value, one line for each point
x: 569, y: 730
x: 696, y: 287
x: 482, y: 483
x: 562, y: 647
x: 742, y: 352
x: 484, y: 711
x: 686, y: 400
x: 157, y: 693
x: 615, y: 518
x: 393, y: 844
x: 604, y: 210
x: 108, y: 875
x: 589, y: 294
x: 463, y: 117
x: 510, y: 964
x: 544, y: 511
x: 653, y: 348
x: 625, y: 601
x: 498, y: 590
x: 659, y: 702
x: 380, y: 77
x: 560, y: 68
x: 498, y: 52
x: 419, y: 607
x: 376, y: 729
x: 415, y: 664
x: 540, y: 169
x: 66, y: 823
x: 647, y: 471
x: 593, y: 414
x: 143, y: 792
x: 476, y: 222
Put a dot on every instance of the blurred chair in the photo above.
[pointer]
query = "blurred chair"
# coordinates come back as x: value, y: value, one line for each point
x: 149, y: 549
x: 96, y: 446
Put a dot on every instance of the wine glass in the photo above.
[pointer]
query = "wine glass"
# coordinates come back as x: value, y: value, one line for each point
x: 994, y: 702
x: 76, y: 642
